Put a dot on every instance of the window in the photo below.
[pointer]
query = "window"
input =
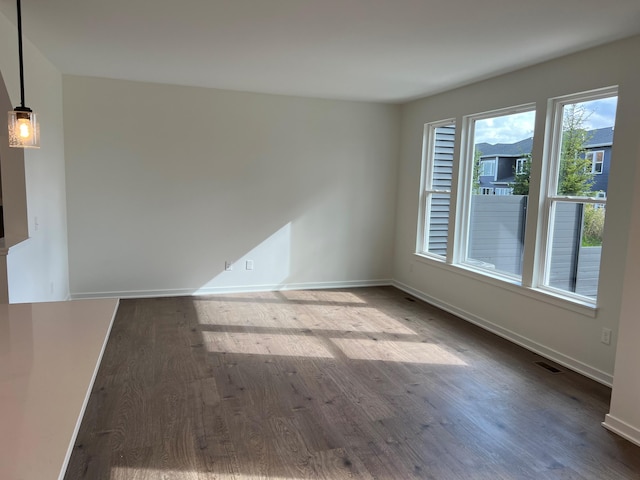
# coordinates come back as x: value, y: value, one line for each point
x: 483, y: 227
x: 596, y: 160
x: 436, y: 189
x: 575, y: 208
x: 487, y: 168
x: 493, y: 230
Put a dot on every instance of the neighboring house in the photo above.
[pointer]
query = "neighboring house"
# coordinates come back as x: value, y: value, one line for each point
x: 599, y: 151
x: 500, y: 162
x: 498, y: 165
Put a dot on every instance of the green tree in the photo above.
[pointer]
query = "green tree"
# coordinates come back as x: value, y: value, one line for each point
x: 475, y: 187
x: 593, y: 225
x: 576, y: 177
x: 520, y: 183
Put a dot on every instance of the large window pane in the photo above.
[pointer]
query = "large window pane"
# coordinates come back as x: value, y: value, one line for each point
x: 501, y: 160
x: 585, y: 147
x: 576, y: 247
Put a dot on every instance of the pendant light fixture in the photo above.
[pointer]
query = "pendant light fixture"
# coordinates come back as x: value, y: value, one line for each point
x: 24, y: 131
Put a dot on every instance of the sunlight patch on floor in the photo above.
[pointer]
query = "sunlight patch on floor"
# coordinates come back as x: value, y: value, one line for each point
x: 323, y: 296
x: 359, y: 320
x: 390, y: 351
x: 265, y: 344
x: 339, y: 319
x: 134, y: 473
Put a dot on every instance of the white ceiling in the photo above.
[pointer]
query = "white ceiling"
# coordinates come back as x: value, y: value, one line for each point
x: 381, y: 50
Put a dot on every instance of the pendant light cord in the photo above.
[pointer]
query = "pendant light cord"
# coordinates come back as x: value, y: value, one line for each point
x: 20, y: 54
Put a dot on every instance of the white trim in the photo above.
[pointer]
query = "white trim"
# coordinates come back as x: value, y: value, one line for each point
x: 569, y: 362
x: 425, y: 181
x: 622, y: 428
x: 573, y: 199
x: 178, y: 292
x: 514, y: 285
x: 465, y: 189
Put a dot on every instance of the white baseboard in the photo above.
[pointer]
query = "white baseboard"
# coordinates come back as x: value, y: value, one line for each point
x: 621, y: 428
x: 573, y: 364
x: 233, y: 289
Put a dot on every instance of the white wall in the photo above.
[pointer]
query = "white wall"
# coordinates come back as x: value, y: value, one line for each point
x: 624, y: 417
x: 37, y: 268
x: 166, y: 183
x: 571, y: 337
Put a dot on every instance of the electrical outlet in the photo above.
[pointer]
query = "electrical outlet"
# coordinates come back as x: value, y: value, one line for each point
x: 249, y: 264
x: 228, y: 266
x: 605, y: 336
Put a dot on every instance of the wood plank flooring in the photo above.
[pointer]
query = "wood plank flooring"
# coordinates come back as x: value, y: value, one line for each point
x: 362, y: 383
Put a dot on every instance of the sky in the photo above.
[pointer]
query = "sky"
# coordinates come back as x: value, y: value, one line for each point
x: 516, y: 127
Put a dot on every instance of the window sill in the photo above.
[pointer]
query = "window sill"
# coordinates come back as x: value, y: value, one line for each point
x: 547, y: 296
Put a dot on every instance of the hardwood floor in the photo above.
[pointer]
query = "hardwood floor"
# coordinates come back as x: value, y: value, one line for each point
x: 360, y: 383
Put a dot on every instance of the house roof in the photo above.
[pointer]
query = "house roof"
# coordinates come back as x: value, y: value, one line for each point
x: 505, y: 149
x: 599, y: 137
x: 380, y: 50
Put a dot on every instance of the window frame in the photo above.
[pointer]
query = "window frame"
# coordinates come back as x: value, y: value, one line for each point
x: 593, y: 154
x: 544, y: 181
x: 484, y: 164
x: 549, y: 190
x: 462, y: 233
x: 427, y: 191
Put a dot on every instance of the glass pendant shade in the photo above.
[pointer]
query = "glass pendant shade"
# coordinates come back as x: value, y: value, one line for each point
x: 24, y: 131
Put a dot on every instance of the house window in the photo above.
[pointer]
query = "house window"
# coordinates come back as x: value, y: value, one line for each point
x: 436, y: 188
x: 520, y: 165
x: 492, y: 236
x: 575, y: 211
x: 487, y: 168
x: 486, y: 191
x: 596, y: 160
x: 600, y: 194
